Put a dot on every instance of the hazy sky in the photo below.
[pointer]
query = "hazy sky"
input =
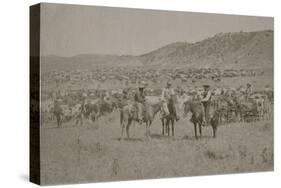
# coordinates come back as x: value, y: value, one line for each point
x: 68, y: 30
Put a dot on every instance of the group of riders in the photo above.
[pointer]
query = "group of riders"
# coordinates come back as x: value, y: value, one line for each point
x: 168, y: 97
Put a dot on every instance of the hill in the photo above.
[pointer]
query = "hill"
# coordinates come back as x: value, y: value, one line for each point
x: 224, y: 50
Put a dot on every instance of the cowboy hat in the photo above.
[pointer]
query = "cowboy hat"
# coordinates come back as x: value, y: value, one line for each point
x: 169, y: 83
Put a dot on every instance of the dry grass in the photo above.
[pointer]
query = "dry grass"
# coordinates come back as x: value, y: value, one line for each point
x: 94, y: 152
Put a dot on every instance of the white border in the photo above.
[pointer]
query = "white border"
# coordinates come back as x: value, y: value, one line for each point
x: 14, y: 76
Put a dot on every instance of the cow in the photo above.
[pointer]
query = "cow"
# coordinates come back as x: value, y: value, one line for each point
x: 91, y: 110
x: 66, y: 113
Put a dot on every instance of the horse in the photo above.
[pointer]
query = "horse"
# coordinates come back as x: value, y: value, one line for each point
x: 168, y: 121
x: 196, y: 109
x: 221, y: 105
x: 150, y: 110
x: 214, y: 117
x: 128, y: 114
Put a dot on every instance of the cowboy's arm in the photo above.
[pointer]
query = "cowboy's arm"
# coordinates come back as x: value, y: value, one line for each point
x: 207, y: 97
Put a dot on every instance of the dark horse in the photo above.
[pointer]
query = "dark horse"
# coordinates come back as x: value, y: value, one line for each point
x: 168, y: 121
x: 196, y: 109
x: 214, y: 116
x: 128, y: 115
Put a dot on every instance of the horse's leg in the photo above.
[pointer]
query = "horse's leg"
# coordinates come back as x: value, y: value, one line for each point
x: 122, y: 129
x: 200, y: 128
x: 76, y: 122
x: 168, y: 126
x: 163, y: 126
x: 58, y: 120
x: 146, y: 129
x: 148, y: 123
x: 128, y: 128
x: 123, y: 123
x: 195, y: 129
x: 173, y: 131
x: 214, y: 131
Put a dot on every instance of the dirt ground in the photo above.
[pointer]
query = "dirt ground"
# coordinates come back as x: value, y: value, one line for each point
x: 94, y: 152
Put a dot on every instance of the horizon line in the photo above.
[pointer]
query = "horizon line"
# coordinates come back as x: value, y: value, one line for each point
x: 105, y: 54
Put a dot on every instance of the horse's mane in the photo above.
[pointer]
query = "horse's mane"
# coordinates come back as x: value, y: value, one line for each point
x: 154, y: 107
x: 194, y: 105
x: 195, y: 102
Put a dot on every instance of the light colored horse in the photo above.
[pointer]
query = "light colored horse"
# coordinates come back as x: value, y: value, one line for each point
x: 150, y: 110
x: 128, y: 114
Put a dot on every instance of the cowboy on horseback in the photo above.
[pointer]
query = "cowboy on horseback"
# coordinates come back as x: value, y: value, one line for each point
x: 139, y: 101
x: 166, y: 97
x: 207, y: 94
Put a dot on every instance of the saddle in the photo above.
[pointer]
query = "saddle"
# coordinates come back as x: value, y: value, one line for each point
x: 133, y: 110
x: 168, y: 110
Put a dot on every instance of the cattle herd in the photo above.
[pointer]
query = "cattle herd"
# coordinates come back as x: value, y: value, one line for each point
x: 131, y: 75
x: 87, y: 95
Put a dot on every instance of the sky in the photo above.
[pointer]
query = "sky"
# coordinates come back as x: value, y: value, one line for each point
x: 69, y: 30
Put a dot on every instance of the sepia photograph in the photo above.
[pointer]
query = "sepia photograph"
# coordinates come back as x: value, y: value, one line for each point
x: 129, y: 94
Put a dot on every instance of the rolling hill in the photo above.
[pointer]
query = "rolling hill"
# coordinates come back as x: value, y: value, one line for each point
x: 224, y: 50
